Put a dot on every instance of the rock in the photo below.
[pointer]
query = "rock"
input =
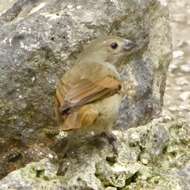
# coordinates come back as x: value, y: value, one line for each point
x: 184, y: 107
x: 94, y: 166
x: 185, y: 68
x: 182, y: 81
x: 40, y: 40
x: 38, y: 173
x: 4, y: 5
x: 184, y: 175
x: 117, y: 175
x: 173, y: 108
x: 111, y: 188
x: 178, y: 54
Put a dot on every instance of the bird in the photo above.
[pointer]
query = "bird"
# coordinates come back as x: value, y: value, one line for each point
x: 88, y: 96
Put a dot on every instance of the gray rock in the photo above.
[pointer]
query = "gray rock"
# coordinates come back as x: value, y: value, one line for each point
x: 184, y: 175
x: 40, y: 40
x: 4, y: 5
x: 94, y: 166
x: 185, y: 68
x: 185, y: 96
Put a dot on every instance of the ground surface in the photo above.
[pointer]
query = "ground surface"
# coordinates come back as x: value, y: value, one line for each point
x: 177, y: 96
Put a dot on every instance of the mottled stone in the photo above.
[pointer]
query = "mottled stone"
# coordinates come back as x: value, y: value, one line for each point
x: 4, y: 5
x: 94, y: 166
x: 185, y: 68
x: 185, y: 96
x: 40, y: 40
x: 178, y: 86
x: 178, y: 54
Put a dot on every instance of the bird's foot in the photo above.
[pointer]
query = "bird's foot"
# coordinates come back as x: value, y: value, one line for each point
x: 112, y: 141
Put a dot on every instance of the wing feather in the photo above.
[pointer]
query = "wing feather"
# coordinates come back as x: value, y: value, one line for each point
x: 72, y: 97
x: 85, y: 92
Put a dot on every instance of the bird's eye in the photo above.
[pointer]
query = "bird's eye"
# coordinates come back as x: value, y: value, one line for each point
x: 114, y: 45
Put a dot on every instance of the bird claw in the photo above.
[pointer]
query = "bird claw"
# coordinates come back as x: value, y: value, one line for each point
x: 112, y: 141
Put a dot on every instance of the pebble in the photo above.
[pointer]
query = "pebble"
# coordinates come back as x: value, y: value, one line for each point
x: 179, y: 17
x: 79, y: 7
x: 185, y: 96
x: 182, y: 81
x: 144, y: 161
x: 164, y: 2
x: 173, y: 108
x: 111, y: 188
x: 69, y: 6
x: 177, y: 88
x: 184, y: 107
x: 185, y: 68
x: 178, y: 54
x: 177, y: 95
x: 135, y: 136
x: 173, y: 67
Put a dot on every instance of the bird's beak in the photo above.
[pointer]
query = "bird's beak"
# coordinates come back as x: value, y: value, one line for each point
x: 129, y: 45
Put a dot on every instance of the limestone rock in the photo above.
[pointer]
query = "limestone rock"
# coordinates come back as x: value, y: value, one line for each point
x: 94, y: 166
x: 40, y: 40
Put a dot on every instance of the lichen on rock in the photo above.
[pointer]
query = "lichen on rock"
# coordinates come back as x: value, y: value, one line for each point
x: 87, y: 168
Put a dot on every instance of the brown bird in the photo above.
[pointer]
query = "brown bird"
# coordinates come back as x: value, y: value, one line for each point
x: 88, y: 96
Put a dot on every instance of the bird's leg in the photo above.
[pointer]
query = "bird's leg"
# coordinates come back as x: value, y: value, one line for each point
x: 112, y: 140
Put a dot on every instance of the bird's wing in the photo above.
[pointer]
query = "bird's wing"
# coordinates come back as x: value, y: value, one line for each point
x: 70, y: 99
x: 85, y: 91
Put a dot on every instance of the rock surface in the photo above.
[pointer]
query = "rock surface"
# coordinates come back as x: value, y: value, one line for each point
x: 151, y: 157
x: 177, y: 96
x: 39, y: 41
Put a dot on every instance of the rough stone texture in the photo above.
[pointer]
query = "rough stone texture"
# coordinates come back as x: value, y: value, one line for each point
x: 177, y: 96
x: 39, y: 41
x: 4, y: 5
x: 139, y: 164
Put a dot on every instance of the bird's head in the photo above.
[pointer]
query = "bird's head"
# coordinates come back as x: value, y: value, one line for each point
x: 109, y: 49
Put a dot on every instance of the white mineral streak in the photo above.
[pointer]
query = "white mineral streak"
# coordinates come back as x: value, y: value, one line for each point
x: 37, y: 8
x: 50, y: 16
